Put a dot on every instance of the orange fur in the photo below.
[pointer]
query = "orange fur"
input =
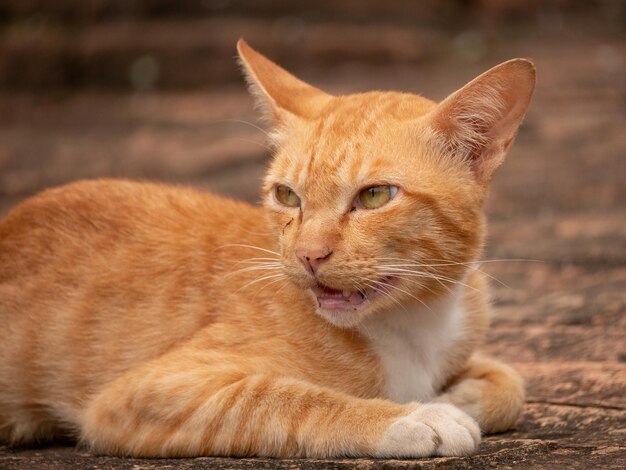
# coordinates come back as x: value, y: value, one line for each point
x: 152, y: 320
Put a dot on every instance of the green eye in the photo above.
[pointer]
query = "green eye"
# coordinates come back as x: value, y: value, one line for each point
x: 287, y: 196
x: 376, y: 196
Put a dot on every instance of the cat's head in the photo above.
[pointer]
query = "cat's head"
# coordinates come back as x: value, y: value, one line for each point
x: 376, y: 198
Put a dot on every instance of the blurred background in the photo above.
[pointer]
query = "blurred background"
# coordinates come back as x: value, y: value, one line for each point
x: 150, y: 89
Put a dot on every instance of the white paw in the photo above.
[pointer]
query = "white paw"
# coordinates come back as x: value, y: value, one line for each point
x: 433, y: 429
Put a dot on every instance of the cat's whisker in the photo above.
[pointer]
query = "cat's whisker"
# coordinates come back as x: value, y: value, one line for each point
x: 242, y: 245
x: 413, y: 262
x: 421, y: 285
x: 391, y: 297
x: 274, y: 143
x: 283, y: 286
x: 409, y: 277
x: 260, y: 279
x: 500, y: 260
x: 258, y: 260
x: 255, y: 261
x: 280, y: 279
x: 399, y: 271
x: 254, y: 268
x: 410, y: 295
x: 370, y: 284
x: 475, y: 266
x: 385, y: 286
x: 444, y: 262
x: 492, y: 277
x: 421, y: 265
x: 472, y: 265
x: 399, y: 267
x: 391, y: 271
x: 250, y: 141
x: 242, y: 121
x: 357, y: 284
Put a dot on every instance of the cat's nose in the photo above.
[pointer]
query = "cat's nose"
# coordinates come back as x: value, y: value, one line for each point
x: 313, y: 257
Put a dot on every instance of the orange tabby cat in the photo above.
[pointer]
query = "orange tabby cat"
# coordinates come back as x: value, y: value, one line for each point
x: 341, y: 319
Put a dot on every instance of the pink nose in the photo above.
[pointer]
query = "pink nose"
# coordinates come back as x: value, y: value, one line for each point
x: 313, y: 257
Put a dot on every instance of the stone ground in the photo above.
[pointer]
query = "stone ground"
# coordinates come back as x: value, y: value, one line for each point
x: 557, y: 247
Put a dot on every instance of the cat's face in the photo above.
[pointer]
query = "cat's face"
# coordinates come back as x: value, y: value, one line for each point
x: 376, y: 199
x: 382, y: 218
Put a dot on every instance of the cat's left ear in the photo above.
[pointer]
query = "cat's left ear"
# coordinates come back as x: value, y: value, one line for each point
x: 478, y: 123
x: 280, y: 94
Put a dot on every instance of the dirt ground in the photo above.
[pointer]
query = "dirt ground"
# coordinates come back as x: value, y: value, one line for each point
x: 557, y: 245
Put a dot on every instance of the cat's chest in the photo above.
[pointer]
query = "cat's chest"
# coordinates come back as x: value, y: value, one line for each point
x: 414, y: 347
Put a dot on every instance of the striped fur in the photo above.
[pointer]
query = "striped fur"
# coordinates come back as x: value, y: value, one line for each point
x: 151, y: 320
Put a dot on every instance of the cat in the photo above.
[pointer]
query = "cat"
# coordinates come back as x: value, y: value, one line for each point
x: 342, y: 318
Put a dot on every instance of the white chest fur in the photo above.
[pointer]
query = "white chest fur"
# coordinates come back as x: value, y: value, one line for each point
x: 413, y: 344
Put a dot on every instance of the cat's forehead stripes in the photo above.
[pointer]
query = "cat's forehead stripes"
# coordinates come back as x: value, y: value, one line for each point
x: 337, y: 140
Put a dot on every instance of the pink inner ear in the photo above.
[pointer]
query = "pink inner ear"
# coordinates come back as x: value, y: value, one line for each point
x: 478, y: 123
x: 486, y: 151
x: 468, y: 127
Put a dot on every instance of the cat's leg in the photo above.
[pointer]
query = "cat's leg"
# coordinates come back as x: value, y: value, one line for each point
x: 489, y: 391
x: 181, y: 405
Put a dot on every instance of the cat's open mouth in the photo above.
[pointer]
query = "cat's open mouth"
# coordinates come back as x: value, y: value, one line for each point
x: 337, y: 299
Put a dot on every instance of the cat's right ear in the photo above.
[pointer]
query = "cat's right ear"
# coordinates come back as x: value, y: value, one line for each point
x: 279, y: 94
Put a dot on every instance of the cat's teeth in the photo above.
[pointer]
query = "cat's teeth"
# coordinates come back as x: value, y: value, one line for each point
x: 346, y: 294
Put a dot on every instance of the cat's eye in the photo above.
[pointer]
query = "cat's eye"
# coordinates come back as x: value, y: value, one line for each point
x: 375, y: 196
x: 287, y: 196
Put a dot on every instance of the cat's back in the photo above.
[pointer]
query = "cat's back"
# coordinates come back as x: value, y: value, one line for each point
x: 103, y: 239
x: 99, y: 218
x: 99, y: 275
x: 117, y: 208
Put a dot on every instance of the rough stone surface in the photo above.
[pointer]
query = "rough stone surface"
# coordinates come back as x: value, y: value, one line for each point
x: 557, y: 247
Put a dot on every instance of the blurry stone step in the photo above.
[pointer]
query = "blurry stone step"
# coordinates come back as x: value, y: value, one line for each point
x: 597, y: 238
x: 144, y: 55
x: 558, y: 164
x: 194, y: 139
x: 556, y: 343
x: 494, y: 452
x: 572, y: 426
x: 552, y: 295
x: 583, y: 384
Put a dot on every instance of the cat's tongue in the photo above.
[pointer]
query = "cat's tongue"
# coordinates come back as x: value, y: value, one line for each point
x: 334, y: 299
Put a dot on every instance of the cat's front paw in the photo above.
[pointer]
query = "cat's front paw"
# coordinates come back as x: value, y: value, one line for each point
x: 432, y: 429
